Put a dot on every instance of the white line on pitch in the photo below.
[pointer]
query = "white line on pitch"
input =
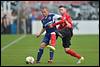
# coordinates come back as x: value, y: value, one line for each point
x: 13, y: 42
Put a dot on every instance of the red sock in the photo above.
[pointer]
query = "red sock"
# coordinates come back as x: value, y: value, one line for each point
x: 53, y: 39
x: 72, y: 53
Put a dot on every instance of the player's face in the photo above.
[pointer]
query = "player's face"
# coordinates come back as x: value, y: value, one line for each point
x: 44, y: 12
x: 62, y: 10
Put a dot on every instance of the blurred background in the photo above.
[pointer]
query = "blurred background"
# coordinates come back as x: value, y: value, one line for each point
x: 23, y: 17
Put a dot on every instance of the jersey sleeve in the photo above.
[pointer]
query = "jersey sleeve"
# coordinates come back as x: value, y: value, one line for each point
x: 56, y: 17
x: 42, y: 23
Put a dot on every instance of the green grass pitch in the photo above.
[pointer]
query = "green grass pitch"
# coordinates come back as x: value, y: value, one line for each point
x: 14, y: 55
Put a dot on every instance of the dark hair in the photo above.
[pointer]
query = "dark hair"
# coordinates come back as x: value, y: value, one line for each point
x: 61, y: 6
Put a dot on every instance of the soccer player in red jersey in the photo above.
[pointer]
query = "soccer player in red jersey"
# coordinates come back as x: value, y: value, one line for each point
x: 66, y: 29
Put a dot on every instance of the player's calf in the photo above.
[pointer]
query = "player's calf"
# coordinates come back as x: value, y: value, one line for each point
x: 73, y: 53
x: 40, y: 51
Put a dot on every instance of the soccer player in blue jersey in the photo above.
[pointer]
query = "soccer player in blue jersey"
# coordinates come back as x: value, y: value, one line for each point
x: 48, y: 18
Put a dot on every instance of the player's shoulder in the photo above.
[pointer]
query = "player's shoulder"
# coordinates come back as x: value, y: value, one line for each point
x: 42, y: 18
x: 53, y: 14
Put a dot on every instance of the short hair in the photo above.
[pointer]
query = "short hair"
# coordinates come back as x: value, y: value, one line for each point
x: 61, y: 6
x: 43, y: 7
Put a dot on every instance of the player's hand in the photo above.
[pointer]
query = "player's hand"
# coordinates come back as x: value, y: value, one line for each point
x: 37, y: 35
x: 50, y: 26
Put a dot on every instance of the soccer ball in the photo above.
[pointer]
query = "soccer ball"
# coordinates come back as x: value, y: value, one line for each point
x: 29, y: 60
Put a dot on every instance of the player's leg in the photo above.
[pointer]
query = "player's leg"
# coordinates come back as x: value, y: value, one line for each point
x: 44, y: 43
x: 66, y: 44
x: 52, y: 41
x: 54, y: 37
x: 40, y: 52
x: 74, y: 54
x: 51, y: 56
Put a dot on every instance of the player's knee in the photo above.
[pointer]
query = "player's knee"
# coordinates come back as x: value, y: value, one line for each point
x: 66, y: 49
x: 43, y: 45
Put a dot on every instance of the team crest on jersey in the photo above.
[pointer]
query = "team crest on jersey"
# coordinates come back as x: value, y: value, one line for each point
x: 49, y: 18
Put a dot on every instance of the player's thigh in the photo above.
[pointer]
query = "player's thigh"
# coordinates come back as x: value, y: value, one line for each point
x: 45, y: 40
x: 66, y: 49
x: 66, y: 42
x: 67, y: 32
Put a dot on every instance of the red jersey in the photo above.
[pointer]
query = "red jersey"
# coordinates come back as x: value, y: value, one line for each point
x: 62, y: 24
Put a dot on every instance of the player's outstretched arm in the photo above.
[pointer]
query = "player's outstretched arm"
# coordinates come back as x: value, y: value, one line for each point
x: 38, y: 34
x: 57, y: 23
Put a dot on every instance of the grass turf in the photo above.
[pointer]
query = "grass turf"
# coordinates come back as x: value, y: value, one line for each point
x: 14, y: 55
